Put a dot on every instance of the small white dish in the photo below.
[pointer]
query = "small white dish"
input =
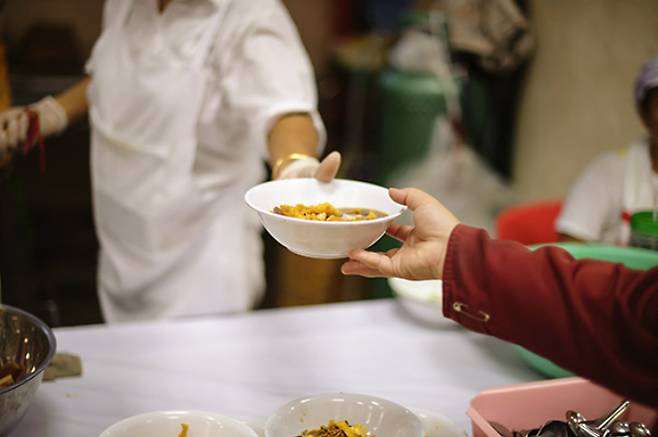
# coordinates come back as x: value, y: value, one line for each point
x: 318, y: 239
x: 423, y: 300
x: 436, y: 425
x: 168, y: 424
x: 383, y: 418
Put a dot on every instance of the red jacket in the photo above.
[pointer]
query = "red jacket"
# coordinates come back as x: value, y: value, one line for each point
x: 598, y: 319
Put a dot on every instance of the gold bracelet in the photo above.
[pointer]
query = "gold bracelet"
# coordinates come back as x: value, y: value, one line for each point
x: 276, y: 168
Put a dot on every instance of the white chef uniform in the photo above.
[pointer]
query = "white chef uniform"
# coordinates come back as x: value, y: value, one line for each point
x: 180, y: 105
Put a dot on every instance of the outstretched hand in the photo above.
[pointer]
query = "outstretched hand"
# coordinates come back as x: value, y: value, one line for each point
x: 424, y: 247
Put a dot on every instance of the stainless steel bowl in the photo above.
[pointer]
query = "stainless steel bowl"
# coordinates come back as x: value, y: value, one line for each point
x: 29, y: 343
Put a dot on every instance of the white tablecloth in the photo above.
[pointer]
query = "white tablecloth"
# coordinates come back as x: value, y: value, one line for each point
x: 248, y: 365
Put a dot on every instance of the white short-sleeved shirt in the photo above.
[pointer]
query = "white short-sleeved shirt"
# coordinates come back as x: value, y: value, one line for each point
x: 609, y: 189
x: 257, y: 71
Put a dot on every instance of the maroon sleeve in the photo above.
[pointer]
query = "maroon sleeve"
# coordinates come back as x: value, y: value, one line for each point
x: 598, y: 319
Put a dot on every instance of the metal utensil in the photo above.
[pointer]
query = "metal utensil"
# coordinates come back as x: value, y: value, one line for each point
x: 612, y: 416
x: 620, y: 428
x: 576, y: 423
x: 553, y: 428
x: 638, y: 429
x: 595, y: 428
x: 580, y: 427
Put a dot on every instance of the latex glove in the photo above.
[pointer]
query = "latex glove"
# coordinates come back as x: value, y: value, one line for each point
x: 324, y: 171
x: 14, y: 122
x: 424, y: 247
x: 13, y: 129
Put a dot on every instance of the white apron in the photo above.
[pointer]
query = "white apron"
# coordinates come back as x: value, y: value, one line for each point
x: 168, y: 249
x: 640, y: 191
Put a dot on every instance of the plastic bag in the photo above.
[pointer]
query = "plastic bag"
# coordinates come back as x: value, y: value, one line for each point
x: 455, y: 175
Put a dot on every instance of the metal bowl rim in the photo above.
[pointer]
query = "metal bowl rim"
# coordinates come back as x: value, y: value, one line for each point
x: 52, y: 342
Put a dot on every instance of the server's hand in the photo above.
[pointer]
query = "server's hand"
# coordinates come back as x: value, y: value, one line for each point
x: 310, y: 167
x: 14, y: 122
x: 13, y: 129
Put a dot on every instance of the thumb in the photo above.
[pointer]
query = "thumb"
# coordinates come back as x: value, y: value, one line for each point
x: 411, y: 197
x: 374, y: 260
x: 328, y: 167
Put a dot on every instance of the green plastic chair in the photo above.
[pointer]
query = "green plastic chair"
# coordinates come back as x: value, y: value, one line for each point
x: 634, y: 258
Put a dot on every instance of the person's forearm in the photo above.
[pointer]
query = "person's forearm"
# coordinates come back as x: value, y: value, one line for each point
x: 597, y: 319
x: 292, y: 133
x: 74, y: 100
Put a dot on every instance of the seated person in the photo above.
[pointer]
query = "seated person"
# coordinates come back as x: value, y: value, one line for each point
x: 617, y: 184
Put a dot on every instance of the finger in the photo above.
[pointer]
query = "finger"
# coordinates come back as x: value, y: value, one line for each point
x: 374, y: 260
x: 391, y: 252
x: 357, y: 268
x: 399, y: 232
x: 13, y: 132
x: 411, y: 197
x: 23, y: 125
x: 328, y: 167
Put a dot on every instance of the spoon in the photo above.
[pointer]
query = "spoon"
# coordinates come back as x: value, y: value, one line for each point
x: 620, y: 428
x: 612, y: 416
x: 582, y: 428
x: 577, y: 424
x: 594, y: 428
x: 639, y: 430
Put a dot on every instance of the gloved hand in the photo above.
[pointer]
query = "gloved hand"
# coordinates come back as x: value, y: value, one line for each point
x: 424, y: 247
x: 14, y: 122
x: 324, y: 171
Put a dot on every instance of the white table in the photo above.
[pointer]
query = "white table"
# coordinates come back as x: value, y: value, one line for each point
x: 246, y: 366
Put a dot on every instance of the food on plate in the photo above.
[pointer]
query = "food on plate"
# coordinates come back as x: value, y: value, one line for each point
x: 183, y: 431
x: 327, y: 212
x: 339, y: 428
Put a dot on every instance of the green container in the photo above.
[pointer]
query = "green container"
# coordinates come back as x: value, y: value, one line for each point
x: 631, y: 257
x: 644, y: 230
x: 410, y: 102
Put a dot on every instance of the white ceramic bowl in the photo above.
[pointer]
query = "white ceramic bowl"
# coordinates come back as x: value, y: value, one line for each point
x: 383, y: 418
x: 316, y: 239
x: 168, y: 424
x: 423, y: 300
x: 437, y: 425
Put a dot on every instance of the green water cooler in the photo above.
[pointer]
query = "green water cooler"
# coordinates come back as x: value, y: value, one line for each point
x: 410, y: 103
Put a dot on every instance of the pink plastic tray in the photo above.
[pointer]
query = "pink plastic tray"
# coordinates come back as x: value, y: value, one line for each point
x: 527, y: 406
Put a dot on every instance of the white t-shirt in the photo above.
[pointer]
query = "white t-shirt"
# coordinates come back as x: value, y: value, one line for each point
x: 613, y: 186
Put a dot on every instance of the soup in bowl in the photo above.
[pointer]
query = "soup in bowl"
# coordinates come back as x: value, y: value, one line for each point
x: 343, y: 414
x: 291, y: 210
